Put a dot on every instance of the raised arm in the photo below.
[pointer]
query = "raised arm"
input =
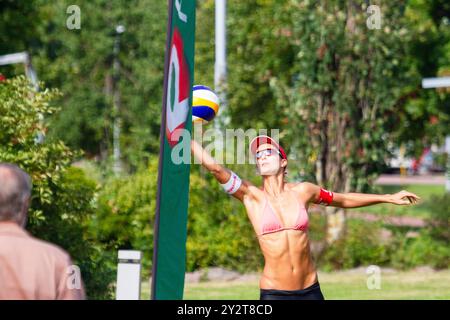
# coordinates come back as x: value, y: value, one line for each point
x: 355, y: 200
x: 223, y: 175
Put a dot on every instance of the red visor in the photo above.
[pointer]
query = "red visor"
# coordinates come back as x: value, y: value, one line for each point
x: 260, y: 140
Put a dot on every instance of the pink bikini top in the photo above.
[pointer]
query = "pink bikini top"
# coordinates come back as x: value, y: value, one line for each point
x: 271, y: 223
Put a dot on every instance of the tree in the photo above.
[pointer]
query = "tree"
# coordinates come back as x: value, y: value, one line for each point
x: 255, y: 53
x: 79, y: 63
x: 425, y: 114
x: 19, y: 20
x: 62, y: 197
x: 341, y: 100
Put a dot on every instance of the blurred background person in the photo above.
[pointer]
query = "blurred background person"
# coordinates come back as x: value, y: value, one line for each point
x: 30, y: 268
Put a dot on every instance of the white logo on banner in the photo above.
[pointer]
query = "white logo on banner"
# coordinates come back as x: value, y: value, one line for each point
x: 176, y: 113
x: 181, y: 15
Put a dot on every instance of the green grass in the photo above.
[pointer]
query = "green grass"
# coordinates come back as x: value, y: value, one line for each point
x: 399, y: 285
x: 421, y: 210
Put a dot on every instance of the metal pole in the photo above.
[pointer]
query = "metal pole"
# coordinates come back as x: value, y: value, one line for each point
x: 220, y: 66
x: 31, y: 74
x: 447, y: 169
x: 117, y: 167
x: 162, y: 133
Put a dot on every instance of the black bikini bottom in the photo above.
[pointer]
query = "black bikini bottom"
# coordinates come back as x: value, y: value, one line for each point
x: 311, y: 293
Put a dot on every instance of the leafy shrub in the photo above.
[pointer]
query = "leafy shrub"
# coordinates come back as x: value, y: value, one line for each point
x: 360, y: 245
x: 438, y: 224
x: 126, y: 211
x: 62, y: 197
x: 431, y: 246
x: 423, y: 250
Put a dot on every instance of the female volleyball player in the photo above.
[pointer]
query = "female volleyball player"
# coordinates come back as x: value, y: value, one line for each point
x: 278, y: 213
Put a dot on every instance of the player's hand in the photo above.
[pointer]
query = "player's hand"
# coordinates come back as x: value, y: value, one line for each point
x: 404, y: 198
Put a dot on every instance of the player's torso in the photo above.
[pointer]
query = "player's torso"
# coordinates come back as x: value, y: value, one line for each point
x: 288, y: 262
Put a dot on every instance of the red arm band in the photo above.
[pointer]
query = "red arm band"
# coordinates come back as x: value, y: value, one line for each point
x: 325, y: 197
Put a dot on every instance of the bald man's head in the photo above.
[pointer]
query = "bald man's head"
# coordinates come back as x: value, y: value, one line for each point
x: 15, y: 192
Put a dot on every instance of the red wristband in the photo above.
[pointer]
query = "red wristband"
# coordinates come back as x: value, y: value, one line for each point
x: 325, y: 198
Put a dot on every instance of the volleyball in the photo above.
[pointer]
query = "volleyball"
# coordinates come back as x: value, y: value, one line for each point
x: 205, y: 104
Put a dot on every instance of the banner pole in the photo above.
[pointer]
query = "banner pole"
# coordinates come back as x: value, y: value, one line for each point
x: 161, y: 151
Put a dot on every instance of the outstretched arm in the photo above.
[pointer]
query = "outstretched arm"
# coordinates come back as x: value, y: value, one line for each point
x: 222, y: 174
x: 356, y: 200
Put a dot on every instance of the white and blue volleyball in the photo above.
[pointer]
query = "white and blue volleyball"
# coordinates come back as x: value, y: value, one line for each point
x: 205, y: 104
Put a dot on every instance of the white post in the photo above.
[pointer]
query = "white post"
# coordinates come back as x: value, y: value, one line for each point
x: 129, y: 275
x: 431, y: 83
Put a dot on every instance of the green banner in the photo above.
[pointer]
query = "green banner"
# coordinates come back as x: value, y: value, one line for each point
x: 169, y: 253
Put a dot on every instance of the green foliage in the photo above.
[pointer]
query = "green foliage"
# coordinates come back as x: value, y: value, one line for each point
x: 423, y: 250
x: 19, y: 20
x: 312, y: 55
x: 359, y: 246
x: 126, y: 211
x: 346, y: 79
x: 63, y: 197
x: 21, y: 109
x: 255, y: 55
x: 363, y: 245
x: 431, y: 247
x: 439, y: 221
x: 70, y: 210
x: 425, y: 114
x: 80, y: 64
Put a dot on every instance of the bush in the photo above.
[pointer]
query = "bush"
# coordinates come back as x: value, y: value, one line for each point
x: 219, y: 233
x: 72, y: 209
x: 360, y: 245
x: 62, y: 197
x: 438, y: 224
x: 423, y: 250
x: 431, y: 246
x: 126, y: 211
